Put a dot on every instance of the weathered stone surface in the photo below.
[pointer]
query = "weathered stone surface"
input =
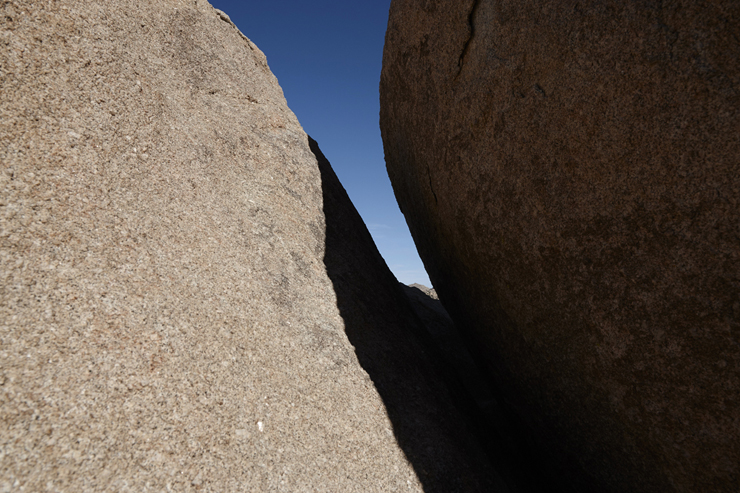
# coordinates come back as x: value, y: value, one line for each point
x: 569, y: 172
x: 488, y: 420
x: 431, y: 419
x: 439, y: 325
x: 168, y: 316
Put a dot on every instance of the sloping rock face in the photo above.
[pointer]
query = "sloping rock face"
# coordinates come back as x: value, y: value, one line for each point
x: 442, y: 329
x: 569, y: 172
x: 168, y: 318
x: 417, y: 386
x: 487, y: 419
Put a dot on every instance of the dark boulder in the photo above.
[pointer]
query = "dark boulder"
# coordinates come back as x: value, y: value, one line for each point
x: 570, y: 174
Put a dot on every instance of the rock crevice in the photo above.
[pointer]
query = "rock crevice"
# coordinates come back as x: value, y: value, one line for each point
x: 471, y: 27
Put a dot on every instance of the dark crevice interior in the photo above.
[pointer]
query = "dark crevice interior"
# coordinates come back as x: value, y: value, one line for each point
x: 444, y: 417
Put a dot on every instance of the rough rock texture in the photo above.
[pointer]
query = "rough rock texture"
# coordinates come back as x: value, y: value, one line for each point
x: 569, y: 171
x: 417, y: 386
x: 168, y: 316
x: 412, y: 290
x: 439, y: 325
x: 486, y: 417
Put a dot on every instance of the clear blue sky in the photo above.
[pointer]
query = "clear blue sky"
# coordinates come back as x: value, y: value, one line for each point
x: 327, y: 57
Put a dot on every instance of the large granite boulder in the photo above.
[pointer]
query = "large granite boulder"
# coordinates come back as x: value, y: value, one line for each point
x: 173, y: 315
x: 570, y: 174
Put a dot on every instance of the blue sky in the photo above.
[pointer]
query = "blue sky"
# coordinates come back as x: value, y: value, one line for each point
x: 327, y: 57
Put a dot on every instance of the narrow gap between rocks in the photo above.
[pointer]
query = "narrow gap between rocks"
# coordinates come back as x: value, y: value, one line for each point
x: 444, y: 418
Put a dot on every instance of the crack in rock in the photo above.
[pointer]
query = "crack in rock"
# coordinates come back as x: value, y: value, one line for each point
x: 429, y: 174
x: 471, y: 27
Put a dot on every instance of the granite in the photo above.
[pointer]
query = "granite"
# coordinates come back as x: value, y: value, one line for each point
x: 569, y: 173
x: 167, y: 319
x: 479, y: 401
x: 433, y: 418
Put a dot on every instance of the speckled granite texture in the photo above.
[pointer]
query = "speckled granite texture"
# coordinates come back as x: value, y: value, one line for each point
x: 167, y: 319
x: 570, y: 173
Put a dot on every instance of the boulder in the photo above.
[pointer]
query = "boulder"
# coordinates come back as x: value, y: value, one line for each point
x: 569, y: 172
x: 171, y: 316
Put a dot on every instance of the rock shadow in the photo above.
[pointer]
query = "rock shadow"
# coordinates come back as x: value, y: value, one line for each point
x: 433, y: 415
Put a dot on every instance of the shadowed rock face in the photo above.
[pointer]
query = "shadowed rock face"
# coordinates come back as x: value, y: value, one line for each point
x: 488, y: 420
x: 170, y: 311
x: 432, y: 419
x: 569, y: 173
